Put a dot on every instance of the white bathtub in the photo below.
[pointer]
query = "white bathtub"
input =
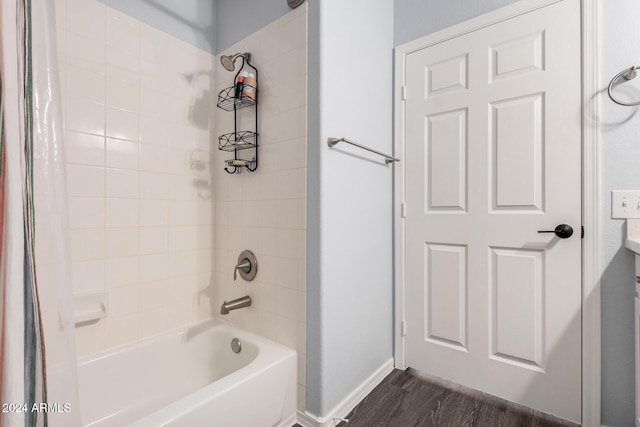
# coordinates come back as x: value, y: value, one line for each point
x: 191, y: 377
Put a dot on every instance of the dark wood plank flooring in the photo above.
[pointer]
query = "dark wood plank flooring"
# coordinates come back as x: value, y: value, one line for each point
x: 408, y: 399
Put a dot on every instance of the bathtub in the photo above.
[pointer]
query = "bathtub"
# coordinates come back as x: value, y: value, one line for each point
x: 191, y: 377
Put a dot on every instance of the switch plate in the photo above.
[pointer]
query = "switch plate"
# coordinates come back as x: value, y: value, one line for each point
x: 625, y: 204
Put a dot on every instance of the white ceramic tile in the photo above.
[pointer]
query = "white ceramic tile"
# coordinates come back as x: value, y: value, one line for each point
x: 86, y: 212
x: 292, y: 154
x: 123, y: 301
x: 154, y: 240
x: 87, y: 18
x: 268, y: 213
x: 122, y: 242
x: 82, y: 148
x: 84, y: 116
x: 291, y: 33
x: 122, y: 183
x: 301, y: 397
x: 154, y: 131
x: 180, y: 162
x: 184, y: 187
x: 121, y: 271
x: 268, y: 241
x: 302, y: 369
x: 91, y: 338
x: 204, y: 237
x: 153, y: 158
x: 182, y: 264
x: 122, y: 124
x: 184, y: 238
x: 267, y: 187
x: 302, y: 338
x: 153, y: 295
x: 293, y: 92
x: 268, y: 298
x: 302, y: 306
x: 122, y: 31
x: 153, y: 322
x: 122, y: 64
x: 122, y: 330
x: 203, y: 209
x: 87, y: 244
x: 154, y: 103
x: 287, y: 185
x: 87, y: 85
x: 288, y: 303
x: 269, y: 325
x: 268, y: 269
x: 85, y: 53
x: 182, y: 290
x: 182, y: 213
x: 122, y: 213
x: 302, y: 275
x: 154, y: 267
x: 288, y: 273
x: 122, y: 94
x: 154, y: 213
x: 122, y: 154
x: 290, y: 244
x: 88, y: 181
x: 204, y: 260
x: 60, y: 8
x: 87, y: 276
x: 153, y: 46
x: 289, y: 214
x: 287, y: 332
x: 180, y: 315
x: 154, y: 185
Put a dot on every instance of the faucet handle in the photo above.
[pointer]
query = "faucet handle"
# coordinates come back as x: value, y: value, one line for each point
x: 248, y: 266
x: 245, y: 266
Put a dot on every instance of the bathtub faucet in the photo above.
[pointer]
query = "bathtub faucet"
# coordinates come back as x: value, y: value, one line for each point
x: 235, y: 304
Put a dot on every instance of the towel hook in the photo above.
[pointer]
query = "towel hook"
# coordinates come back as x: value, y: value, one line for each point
x: 627, y: 74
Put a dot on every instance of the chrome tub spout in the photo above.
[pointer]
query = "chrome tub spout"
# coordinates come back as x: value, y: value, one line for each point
x: 235, y: 304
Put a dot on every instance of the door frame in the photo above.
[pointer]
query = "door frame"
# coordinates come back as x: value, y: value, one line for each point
x: 591, y: 317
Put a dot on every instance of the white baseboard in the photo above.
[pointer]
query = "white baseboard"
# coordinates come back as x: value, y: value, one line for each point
x: 306, y: 419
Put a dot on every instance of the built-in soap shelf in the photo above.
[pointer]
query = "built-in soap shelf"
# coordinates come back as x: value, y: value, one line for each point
x: 89, y: 307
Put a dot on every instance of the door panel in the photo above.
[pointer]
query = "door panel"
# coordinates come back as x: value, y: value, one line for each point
x: 492, y: 155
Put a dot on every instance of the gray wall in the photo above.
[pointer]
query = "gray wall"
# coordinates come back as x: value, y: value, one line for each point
x: 192, y: 21
x: 620, y: 132
x: 349, y: 256
x: 238, y: 19
x: 620, y: 154
x: 417, y: 18
x: 211, y: 25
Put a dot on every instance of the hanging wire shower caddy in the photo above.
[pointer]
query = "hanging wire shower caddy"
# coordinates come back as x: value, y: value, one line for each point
x: 240, y: 140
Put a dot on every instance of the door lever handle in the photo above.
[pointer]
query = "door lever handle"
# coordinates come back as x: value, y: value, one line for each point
x: 563, y: 231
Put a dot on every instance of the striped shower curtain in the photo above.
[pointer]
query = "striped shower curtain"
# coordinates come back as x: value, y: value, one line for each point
x: 38, y: 382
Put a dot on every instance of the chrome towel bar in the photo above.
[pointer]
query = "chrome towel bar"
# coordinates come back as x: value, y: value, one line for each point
x: 387, y: 158
x: 627, y: 74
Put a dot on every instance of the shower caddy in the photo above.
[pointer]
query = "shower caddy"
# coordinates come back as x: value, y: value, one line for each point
x: 239, y: 140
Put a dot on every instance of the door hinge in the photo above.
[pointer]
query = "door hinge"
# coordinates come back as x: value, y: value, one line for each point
x: 403, y: 328
x: 403, y: 210
x: 582, y: 231
x: 404, y: 93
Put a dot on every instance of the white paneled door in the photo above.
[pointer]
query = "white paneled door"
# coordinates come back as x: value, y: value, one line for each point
x: 492, y: 156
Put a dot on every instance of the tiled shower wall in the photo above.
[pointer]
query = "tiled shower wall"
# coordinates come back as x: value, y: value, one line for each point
x: 138, y: 130
x: 265, y: 211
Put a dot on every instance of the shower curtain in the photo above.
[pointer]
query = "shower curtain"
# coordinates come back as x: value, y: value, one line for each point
x: 37, y: 350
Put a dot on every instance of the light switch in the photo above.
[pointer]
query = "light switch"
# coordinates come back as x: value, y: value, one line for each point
x: 625, y: 204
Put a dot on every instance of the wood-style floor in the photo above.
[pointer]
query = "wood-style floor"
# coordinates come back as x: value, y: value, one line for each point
x: 406, y: 399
